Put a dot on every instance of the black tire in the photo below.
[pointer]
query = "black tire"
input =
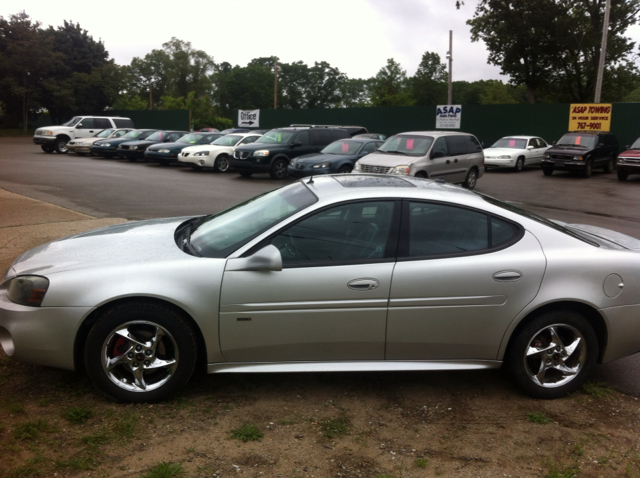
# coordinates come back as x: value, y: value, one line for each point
x: 609, y: 165
x: 519, y: 164
x: 108, y: 155
x: 152, y: 357
x: 132, y: 160
x: 221, y: 164
x: 472, y: 179
x: 622, y: 175
x: 553, y: 371
x: 279, y: 169
x: 588, y: 169
x: 245, y: 174
x: 547, y: 171
x: 345, y: 169
x: 81, y: 154
x: 60, y: 146
x: 46, y: 148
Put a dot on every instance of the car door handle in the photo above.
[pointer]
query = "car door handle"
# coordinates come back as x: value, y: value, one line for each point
x: 455, y: 160
x: 448, y: 162
x: 363, y: 284
x: 507, y: 276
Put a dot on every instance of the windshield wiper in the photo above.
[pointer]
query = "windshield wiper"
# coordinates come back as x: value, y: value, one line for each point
x: 396, y: 152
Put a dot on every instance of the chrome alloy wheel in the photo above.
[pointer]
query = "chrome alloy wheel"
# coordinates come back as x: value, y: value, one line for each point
x: 555, y: 355
x: 139, y: 356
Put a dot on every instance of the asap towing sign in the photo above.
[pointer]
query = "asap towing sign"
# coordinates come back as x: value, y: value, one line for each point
x: 590, y: 117
x: 448, y: 116
x: 248, y: 118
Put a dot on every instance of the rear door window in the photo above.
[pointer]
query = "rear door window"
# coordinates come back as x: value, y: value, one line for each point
x: 321, y: 137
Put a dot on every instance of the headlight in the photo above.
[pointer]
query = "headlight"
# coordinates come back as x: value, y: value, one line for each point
x: 546, y: 156
x: 47, y: 133
x: 163, y: 151
x: 132, y: 148
x: 504, y: 156
x: 28, y: 290
x: 404, y: 169
x: 261, y: 152
x: 356, y: 167
x: 201, y: 153
x: 323, y: 165
x: 106, y: 145
x: 577, y: 158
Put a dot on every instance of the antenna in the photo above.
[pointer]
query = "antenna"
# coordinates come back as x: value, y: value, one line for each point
x: 310, y: 180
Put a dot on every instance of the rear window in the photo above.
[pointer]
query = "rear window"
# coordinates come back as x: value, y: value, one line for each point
x: 462, y: 144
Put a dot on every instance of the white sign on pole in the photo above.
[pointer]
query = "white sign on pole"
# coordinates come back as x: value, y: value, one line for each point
x: 248, y: 118
x: 448, y: 116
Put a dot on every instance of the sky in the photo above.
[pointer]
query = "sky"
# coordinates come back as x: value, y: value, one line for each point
x: 355, y: 36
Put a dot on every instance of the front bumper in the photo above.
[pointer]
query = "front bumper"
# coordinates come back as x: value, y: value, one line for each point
x: 566, y: 164
x: 48, y: 140
x: 629, y: 165
x: 499, y: 163
x: 40, y: 335
x: 251, y: 164
x: 296, y: 172
x: 163, y: 157
x: 131, y: 153
x: 100, y: 150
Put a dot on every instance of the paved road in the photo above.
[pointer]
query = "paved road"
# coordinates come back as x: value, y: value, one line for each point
x: 115, y: 188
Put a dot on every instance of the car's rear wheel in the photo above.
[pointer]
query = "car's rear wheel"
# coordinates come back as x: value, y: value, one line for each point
x: 46, y: 148
x: 610, y: 164
x: 140, y: 352
x: 279, y: 169
x: 547, y: 171
x: 60, y: 146
x: 221, y: 164
x: 553, y: 354
x: 472, y: 179
x: 519, y: 164
x: 622, y: 175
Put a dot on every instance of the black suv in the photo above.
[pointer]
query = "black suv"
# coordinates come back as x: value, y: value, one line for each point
x: 582, y: 151
x: 273, y: 151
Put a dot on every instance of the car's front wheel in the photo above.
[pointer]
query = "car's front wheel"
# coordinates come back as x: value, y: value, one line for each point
x: 46, y: 148
x: 60, y: 146
x: 609, y: 165
x: 588, y: 169
x: 140, y: 352
x: 279, y: 169
x: 519, y: 164
x: 553, y: 354
x: 622, y: 175
x: 345, y: 169
x: 221, y: 164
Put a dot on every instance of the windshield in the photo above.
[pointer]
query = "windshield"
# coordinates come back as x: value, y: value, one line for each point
x: 586, y: 141
x: 135, y: 134
x: 191, y: 138
x: 223, y: 233
x: 510, y: 143
x: 409, y: 144
x: 343, y: 147
x: 228, y: 140
x: 540, y: 219
x: 276, y: 137
x: 105, y: 133
x: 157, y: 136
x: 73, y: 121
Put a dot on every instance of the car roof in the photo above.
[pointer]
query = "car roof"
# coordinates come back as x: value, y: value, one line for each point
x: 519, y: 136
x: 434, y: 133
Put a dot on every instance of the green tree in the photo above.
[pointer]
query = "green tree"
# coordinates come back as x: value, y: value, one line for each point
x: 390, y: 86
x: 429, y: 84
x: 554, y: 45
x: 356, y: 92
x: 324, y: 86
x: 293, y: 79
x: 188, y: 69
x: 26, y: 59
x: 236, y: 87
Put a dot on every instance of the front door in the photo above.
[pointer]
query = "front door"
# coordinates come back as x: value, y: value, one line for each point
x: 329, y: 303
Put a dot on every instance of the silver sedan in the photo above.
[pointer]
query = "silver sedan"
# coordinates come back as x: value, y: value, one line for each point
x: 333, y: 273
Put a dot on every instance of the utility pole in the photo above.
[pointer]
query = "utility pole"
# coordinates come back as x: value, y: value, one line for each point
x: 275, y: 87
x: 150, y: 98
x: 450, y: 58
x: 603, y: 51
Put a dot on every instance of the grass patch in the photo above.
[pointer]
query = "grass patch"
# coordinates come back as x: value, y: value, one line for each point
x: 596, y: 389
x: 77, y: 415
x: 125, y: 426
x: 77, y: 464
x: 165, y: 470
x: 15, y: 408
x: 335, y: 427
x: 247, y: 432
x: 29, y: 431
x: 421, y: 462
x: 556, y: 471
x: 35, y: 466
x: 94, y: 440
x: 537, y: 417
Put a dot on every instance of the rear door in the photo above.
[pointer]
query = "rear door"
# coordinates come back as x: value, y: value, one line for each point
x: 462, y: 276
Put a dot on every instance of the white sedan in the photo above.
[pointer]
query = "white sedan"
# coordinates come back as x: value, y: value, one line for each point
x: 515, y: 152
x: 215, y: 155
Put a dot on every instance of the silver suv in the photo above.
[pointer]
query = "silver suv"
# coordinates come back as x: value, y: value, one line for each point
x: 452, y: 156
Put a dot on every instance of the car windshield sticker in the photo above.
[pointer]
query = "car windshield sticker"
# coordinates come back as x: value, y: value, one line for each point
x: 279, y: 135
x: 512, y: 143
x: 345, y: 148
x: 410, y: 144
x: 577, y: 139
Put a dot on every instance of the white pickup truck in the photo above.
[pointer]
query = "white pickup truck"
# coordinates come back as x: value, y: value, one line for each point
x: 55, y: 138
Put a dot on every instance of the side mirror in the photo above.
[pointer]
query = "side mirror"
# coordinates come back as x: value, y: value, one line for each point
x: 437, y: 154
x: 364, y: 153
x: 79, y: 126
x: 266, y: 259
x: 530, y: 147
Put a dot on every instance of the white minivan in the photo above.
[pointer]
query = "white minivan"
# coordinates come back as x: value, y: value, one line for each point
x: 453, y: 156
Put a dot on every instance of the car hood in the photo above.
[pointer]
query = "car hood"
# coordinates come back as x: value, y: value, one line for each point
x: 127, y: 243
x: 628, y: 242
x: 141, y: 142
x: 569, y: 150
x: 630, y: 153
x: 319, y: 157
x: 204, y: 147
x: 388, y: 159
x: 171, y: 146
x: 502, y: 151
x: 86, y: 140
x: 112, y: 141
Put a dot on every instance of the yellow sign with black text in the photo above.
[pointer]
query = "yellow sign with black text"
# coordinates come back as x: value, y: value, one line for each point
x: 590, y: 117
